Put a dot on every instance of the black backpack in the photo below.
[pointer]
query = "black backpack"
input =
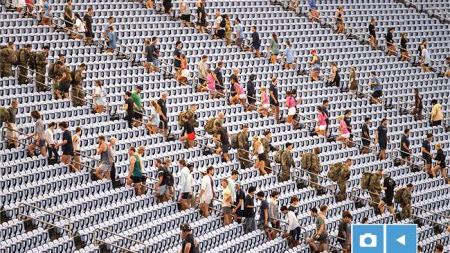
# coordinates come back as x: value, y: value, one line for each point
x: 223, y: 23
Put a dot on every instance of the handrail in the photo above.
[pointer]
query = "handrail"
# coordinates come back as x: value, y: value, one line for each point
x: 69, y: 223
x: 318, y: 175
x: 97, y: 240
x: 48, y: 86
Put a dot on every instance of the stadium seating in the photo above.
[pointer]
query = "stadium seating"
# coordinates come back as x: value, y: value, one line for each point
x: 94, y: 210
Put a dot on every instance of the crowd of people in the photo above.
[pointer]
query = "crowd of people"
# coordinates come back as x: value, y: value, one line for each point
x: 236, y: 205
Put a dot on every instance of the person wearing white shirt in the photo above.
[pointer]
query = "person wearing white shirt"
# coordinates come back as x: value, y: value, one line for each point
x: 52, y: 151
x: 232, y: 184
x: 426, y: 60
x: 206, y: 194
x: 293, y: 225
x: 186, y: 181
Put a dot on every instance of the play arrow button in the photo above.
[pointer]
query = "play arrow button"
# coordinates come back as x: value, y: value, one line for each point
x: 402, y: 240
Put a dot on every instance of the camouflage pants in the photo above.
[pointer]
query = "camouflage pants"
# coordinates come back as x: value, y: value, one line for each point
x: 40, y: 79
x: 314, y: 180
x: 375, y: 198
x: 6, y: 71
x: 23, y: 75
x: 284, y: 175
x: 406, y: 211
x: 342, y: 194
x: 77, y: 96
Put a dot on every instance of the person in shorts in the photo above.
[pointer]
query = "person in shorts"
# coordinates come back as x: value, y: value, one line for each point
x: 38, y: 136
x: 135, y: 176
x: 319, y: 241
x: 426, y: 153
x: 226, y: 202
x: 382, y: 139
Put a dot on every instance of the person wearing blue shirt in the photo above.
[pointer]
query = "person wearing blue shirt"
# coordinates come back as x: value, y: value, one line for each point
x: 289, y: 54
x: 239, y: 33
x: 112, y: 39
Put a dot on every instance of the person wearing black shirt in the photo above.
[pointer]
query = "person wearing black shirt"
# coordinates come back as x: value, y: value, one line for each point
x: 220, y: 86
x: 418, y: 105
x: 389, y: 188
x: 440, y: 163
x: 382, y: 139
x: 66, y: 144
x: 405, y: 152
x: 201, y: 16
x: 225, y: 140
x: 249, y: 211
x: 390, y: 43
x: 426, y: 153
x: 373, y: 34
x: 256, y: 42
x: 234, y: 76
x: 188, y: 133
x: 189, y: 244
x: 274, y: 103
x: 129, y: 108
x: 177, y: 58
x: 251, y: 93
x: 365, y: 138
x: 404, y: 54
x: 167, y: 6
x: 162, y: 102
x: 88, y: 23
x: 343, y: 236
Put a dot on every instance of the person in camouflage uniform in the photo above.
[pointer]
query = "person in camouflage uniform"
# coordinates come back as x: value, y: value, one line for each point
x: 77, y: 86
x: 64, y: 80
x: 266, y: 142
x: 54, y: 66
x: 406, y: 203
x: 7, y: 59
x: 24, y: 58
x: 375, y: 189
x: 344, y: 176
x: 41, y: 64
x: 287, y: 162
x: 58, y: 74
x: 311, y: 163
x: 243, y: 148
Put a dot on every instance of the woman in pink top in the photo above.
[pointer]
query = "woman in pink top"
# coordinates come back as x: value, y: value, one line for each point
x: 240, y: 96
x: 265, y: 103
x: 211, y: 83
x: 344, y: 133
x: 321, y: 128
x: 291, y: 104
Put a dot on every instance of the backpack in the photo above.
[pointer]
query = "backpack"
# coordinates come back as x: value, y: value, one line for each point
x: 278, y: 156
x: 398, y: 197
x: 32, y: 61
x: 306, y: 161
x: 235, y: 140
x: 168, y: 178
x: 365, y: 180
x: 209, y: 125
x: 4, y: 115
x: 334, y: 171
